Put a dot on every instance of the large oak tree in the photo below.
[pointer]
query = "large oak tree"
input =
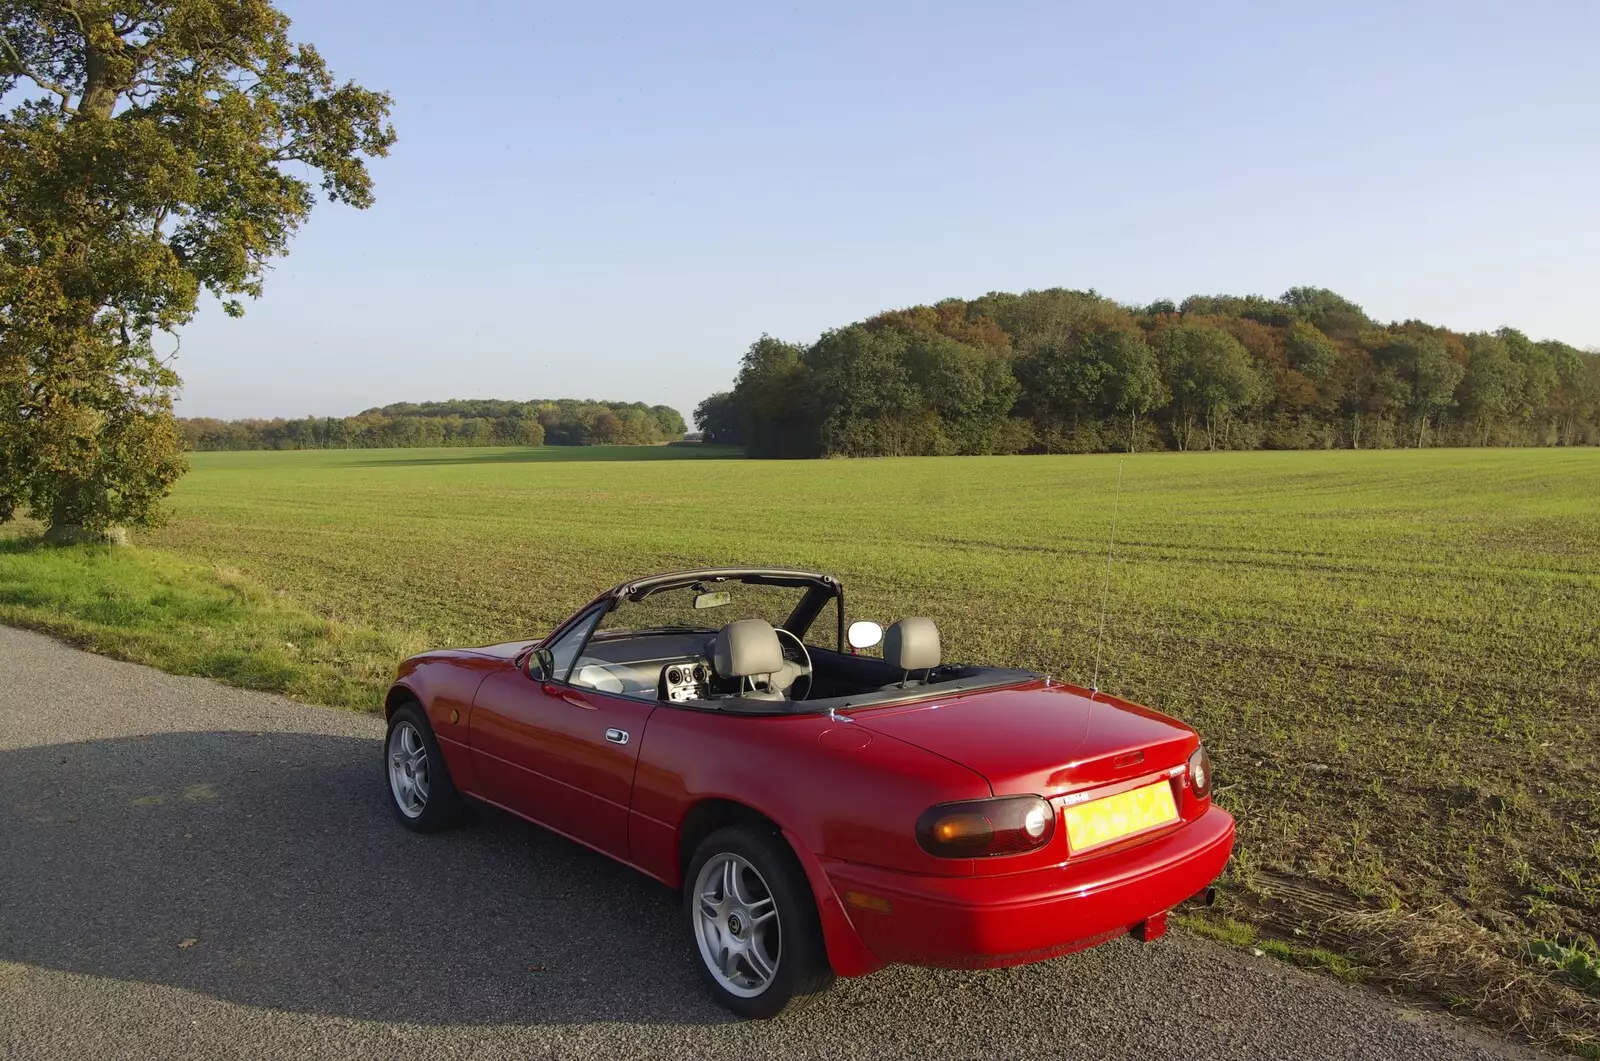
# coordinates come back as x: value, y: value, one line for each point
x: 156, y: 150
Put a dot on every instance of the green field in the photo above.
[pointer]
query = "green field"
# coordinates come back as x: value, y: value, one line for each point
x: 1393, y: 655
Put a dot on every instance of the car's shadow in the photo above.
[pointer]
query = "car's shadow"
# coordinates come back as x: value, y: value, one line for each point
x: 267, y: 869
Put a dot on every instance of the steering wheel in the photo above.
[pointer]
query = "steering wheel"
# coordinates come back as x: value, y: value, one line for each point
x: 793, y: 671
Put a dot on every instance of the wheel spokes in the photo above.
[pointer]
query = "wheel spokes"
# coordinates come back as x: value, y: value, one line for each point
x: 736, y: 919
x: 762, y: 966
x: 408, y: 769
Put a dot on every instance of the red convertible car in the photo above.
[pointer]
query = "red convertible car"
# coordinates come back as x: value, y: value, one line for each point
x: 823, y: 810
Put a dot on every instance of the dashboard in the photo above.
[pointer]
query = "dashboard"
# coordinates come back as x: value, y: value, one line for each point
x: 673, y: 667
x: 668, y: 666
x: 689, y: 680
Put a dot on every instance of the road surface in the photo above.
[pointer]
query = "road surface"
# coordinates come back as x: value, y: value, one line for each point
x: 188, y: 870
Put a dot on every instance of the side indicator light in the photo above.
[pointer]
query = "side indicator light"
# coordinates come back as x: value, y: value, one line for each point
x: 868, y: 902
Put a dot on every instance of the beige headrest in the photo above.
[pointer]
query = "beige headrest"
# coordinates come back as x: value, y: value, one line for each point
x: 911, y: 644
x: 746, y: 648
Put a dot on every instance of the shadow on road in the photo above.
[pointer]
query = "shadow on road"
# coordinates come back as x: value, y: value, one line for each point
x: 266, y: 869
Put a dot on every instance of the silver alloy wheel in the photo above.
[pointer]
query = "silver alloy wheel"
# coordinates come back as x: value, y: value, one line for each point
x: 408, y: 769
x: 736, y: 923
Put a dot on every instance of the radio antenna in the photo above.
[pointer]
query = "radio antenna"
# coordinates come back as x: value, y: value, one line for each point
x: 1105, y: 589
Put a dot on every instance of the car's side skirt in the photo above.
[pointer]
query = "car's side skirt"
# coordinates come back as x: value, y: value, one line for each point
x: 568, y: 836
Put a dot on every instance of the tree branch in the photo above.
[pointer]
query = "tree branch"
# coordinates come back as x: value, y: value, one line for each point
x: 133, y: 25
x: 177, y: 344
x: 48, y: 86
x: 72, y: 10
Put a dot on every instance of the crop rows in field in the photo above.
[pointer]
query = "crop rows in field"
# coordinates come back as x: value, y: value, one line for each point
x: 1393, y: 654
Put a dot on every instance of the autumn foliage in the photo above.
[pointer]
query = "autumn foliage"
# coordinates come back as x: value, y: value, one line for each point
x: 1072, y: 371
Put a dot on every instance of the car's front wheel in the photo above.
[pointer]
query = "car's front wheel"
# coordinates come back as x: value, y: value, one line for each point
x: 422, y: 794
x: 754, y: 923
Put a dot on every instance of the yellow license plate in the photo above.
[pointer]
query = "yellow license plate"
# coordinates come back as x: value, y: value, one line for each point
x: 1103, y: 821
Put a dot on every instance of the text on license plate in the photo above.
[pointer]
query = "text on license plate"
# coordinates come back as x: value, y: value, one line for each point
x: 1102, y: 821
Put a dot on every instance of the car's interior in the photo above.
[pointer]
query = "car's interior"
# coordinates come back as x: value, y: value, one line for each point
x: 752, y: 664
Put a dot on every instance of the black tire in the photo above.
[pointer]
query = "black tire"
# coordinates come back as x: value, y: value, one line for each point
x: 802, y: 971
x: 441, y: 806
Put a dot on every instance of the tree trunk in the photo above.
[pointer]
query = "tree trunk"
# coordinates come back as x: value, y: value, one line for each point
x: 74, y: 500
x: 77, y: 500
x: 100, y: 93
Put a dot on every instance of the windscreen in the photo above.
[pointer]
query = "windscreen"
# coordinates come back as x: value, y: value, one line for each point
x: 710, y: 606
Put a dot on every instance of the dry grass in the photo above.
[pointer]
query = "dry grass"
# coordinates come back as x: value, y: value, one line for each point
x: 1442, y: 953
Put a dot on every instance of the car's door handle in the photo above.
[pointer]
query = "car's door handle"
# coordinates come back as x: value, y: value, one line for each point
x: 617, y: 736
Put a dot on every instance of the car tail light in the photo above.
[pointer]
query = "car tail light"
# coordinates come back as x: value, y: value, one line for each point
x: 1200, y: 773
x: 983, y: 827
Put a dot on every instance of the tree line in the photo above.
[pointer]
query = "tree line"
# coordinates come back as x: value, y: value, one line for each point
x: 464, y: 422
x: 1072, y: 371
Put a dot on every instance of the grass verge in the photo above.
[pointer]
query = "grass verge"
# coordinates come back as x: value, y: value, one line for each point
x: 1238, y: 933
x: 1544, y: 990
x: 184, y: 617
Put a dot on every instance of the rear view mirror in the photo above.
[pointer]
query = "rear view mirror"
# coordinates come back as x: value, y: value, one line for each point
x: 712, y: 600
x: 864, y: 633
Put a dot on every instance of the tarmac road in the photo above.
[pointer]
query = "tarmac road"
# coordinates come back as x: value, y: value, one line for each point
x: 188, y: 870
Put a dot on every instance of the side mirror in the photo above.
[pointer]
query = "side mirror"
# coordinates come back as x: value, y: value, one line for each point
x: 541, y: 664
x: 863, y: 633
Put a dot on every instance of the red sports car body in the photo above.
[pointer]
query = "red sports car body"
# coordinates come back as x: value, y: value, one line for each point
x: 824, y: 812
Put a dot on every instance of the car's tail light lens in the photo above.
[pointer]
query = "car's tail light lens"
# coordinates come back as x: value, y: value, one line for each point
x: 984, y: 827
x: 1200, y: 773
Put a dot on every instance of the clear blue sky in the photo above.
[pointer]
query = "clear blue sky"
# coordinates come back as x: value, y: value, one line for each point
x: 613, y: 200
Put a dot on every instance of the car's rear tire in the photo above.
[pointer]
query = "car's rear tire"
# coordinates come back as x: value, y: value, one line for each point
x: 753, y: 923
x: 420, y: 790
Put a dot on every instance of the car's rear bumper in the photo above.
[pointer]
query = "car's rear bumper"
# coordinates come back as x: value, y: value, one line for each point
x: 990, y: 921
